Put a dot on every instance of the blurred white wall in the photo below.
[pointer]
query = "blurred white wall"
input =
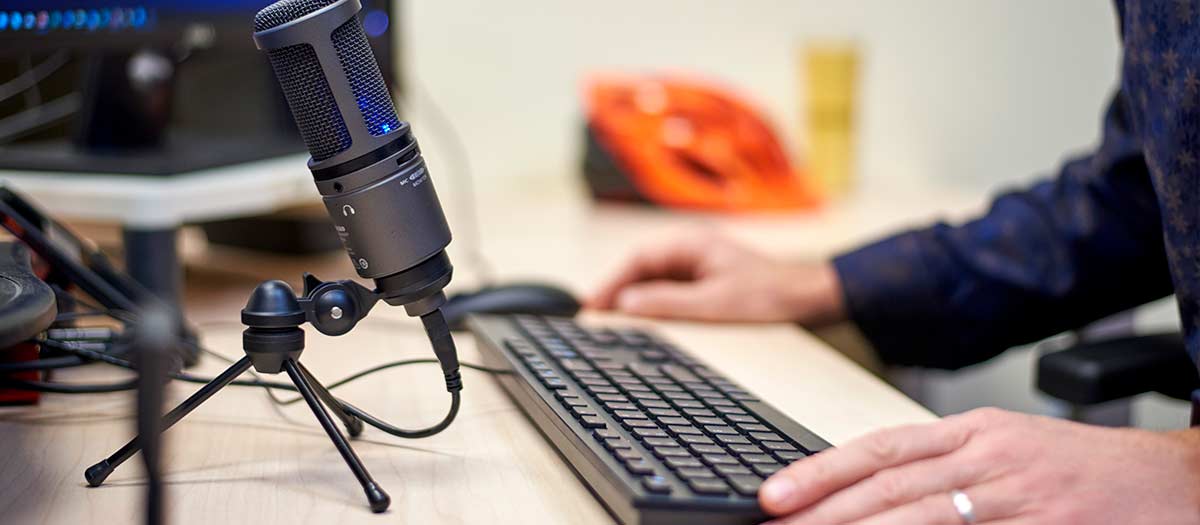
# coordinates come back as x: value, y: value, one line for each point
x: 974, y: 93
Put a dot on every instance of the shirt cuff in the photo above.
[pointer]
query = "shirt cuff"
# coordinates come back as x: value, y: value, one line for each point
x: 892, y: 293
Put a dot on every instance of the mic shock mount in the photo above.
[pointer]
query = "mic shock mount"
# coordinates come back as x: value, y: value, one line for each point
x: 273, y: 342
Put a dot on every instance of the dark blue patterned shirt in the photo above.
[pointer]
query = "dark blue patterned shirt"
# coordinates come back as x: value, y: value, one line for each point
x: 1115, y: 229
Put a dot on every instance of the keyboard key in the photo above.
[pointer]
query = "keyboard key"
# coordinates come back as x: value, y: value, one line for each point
x: 593, y: 422
x: 645, y: 396
x: 745, y: 485
x: 708, y: 486
x: 577, y: 365
x: 778, y: 445
x: 787, y: 456
x: 628, y: 454
x: 689, y: 404
x: 574, y: 402
x: 671, y: 452
x: 698, y: 412
x: 621, y: 406
x: 582, y: 411
x: 661, y: 442
x: 767, y: 470
x: 719, y: 459
x: 696, y: 473
x: 731, y: 411
x: 643, y: 433
x: 662, y: 412
x: 707, y: 449
x: 652, y: 404
x: 720, y: 429
x: 684, y: 429
x: 678, y: 373
x: 605, y: 433
x: 617, y: 443
x: 745, y: 449
x: 742, y: 396
x: 643, y: 370
x: 612, y: 398
x: 639, y: 388
x: 656, y: 484
x: 692, y: 439
x: 753, y: 427
x: 720, y: 402
x: 639, y: 467
x: 629, y: 414
x: 678, y: 463
x: 603, y: 390
x: 710, y: 421
x: 674, y: 421
x: 655, y: 356
x: 759, y: 459
x: 732, y: 440
x: 554, y: 383
x: 741, y: 418
x: 679, y: 396
x: 639, y: 423
x: 732, y: 470
x: 766, y: 436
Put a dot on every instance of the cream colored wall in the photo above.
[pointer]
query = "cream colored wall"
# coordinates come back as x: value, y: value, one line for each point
x: 960, y: 92
x: 972, y: 94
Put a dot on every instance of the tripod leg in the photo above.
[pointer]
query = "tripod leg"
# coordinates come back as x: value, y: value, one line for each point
x: 353, y: 425
x: 378, y: 499
x: 96, y: 474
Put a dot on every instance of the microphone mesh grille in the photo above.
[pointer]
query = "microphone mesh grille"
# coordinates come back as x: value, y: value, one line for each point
x: 311, y: 101
x: 362, y: 71
x: 285, y: 11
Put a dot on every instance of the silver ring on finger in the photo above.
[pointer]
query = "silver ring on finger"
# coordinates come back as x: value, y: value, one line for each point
x: 962, y: 504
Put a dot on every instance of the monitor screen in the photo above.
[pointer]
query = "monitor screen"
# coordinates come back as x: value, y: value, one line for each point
x: 40, y: 25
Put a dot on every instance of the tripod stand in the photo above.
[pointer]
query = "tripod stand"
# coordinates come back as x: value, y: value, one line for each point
x: 273, y: 342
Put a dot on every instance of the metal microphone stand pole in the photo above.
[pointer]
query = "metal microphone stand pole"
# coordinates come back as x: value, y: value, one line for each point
x: 273, y: 342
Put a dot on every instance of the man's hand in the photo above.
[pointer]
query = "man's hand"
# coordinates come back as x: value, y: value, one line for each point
x: 708, y: 277
x: 1015, y: 468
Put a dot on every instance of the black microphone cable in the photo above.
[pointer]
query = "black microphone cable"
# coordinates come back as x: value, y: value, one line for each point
x: 87, y: 355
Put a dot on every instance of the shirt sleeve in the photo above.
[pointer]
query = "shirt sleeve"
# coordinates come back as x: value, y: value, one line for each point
x: 1050, y: 258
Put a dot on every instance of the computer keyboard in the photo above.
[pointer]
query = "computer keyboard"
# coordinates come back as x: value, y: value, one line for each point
x: 656, y: 435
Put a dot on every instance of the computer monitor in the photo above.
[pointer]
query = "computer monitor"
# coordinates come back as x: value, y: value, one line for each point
x: 147, y: 87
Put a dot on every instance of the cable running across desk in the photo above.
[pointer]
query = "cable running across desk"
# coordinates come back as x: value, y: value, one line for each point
x: 83, y: 355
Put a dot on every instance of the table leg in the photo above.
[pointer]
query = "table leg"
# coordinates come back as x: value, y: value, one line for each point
x: 152, y: 259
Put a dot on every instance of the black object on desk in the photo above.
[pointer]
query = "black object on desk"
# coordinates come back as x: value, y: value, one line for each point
x: 526, y: 298
x: 657, y: 436
x: 27, y: 305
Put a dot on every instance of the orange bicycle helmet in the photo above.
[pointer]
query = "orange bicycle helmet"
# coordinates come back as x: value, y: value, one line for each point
x: 685, y: 144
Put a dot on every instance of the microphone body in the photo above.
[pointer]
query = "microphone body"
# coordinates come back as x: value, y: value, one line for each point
x: 366, y: 163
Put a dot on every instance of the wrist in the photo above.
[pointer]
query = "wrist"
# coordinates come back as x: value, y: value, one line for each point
x: 814, y: 294
x: 1187, y: 445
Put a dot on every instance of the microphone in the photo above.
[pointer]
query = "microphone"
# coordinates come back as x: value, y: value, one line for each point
x: 365, y: 161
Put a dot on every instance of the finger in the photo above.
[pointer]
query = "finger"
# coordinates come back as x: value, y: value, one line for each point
x: 666, y: 299
x: 812, y: 479
x: 675, y: 259
x: 935, y: 509
x: 893, y: 488
x: 991, y: 502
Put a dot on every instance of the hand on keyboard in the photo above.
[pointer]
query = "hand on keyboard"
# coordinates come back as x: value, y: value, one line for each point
x: 708, y: 277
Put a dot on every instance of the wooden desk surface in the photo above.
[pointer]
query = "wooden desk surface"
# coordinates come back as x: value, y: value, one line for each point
x: 239, y: 459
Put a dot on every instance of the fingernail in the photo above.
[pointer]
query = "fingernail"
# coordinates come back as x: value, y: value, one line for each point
x: 776, y: 491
